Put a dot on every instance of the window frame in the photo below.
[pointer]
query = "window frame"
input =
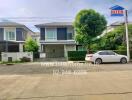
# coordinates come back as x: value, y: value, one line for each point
x: 46, y: 32
x: 6, y: 36
x: 68, y: 35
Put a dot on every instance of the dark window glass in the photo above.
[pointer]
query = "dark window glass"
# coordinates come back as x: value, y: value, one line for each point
x: 111, y: 53
x: 69, y: 36
x: 102, y: 53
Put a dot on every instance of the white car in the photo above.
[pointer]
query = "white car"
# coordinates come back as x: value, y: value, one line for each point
x: 106, y: 56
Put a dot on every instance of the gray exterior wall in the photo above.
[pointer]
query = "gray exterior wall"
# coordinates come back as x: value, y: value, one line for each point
x: 61, y: 33
x: 42, y: 33
x: 1, y: 34
x: 19, y: 34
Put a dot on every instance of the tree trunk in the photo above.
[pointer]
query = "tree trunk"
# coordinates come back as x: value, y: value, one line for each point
x: 88, y: 51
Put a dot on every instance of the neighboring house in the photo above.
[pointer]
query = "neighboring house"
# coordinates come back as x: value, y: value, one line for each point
x: 12, y: 36
x: 36, y: 36
x: 56, y: 39
x: 113, y: 26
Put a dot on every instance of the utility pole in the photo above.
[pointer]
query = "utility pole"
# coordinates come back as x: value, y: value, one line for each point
x: 127, y: 37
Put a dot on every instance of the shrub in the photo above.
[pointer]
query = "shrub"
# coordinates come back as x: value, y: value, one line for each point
x: 25, y: 59
x: 76, y: 55
x: 122, y: 52
x: 31, y: 45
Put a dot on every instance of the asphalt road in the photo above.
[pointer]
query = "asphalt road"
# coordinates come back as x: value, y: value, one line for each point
x: 49, y: 68
x: 79, y: 82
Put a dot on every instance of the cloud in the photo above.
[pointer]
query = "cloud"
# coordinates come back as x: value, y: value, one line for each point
x: 23, y: 12
x: 58, y: 10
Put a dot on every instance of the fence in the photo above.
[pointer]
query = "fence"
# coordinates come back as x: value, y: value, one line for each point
x: 15, y: 56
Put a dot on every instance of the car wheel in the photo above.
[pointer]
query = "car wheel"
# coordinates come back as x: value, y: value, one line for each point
x: 123, y: 60
x: 98, y: 61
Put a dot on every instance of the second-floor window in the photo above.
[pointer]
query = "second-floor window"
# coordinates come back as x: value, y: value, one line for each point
x: 69, y: 36
x: 51, y: 34
x: 10, y: 34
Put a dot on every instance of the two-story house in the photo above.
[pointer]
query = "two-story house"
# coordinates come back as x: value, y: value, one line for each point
x: 56, y: 39
x: 12, y: 36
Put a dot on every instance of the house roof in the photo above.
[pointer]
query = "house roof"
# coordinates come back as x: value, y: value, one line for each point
x: 10, y: 24
x: 117, y: 7
x: 14, y: 24
x: 55, y: 24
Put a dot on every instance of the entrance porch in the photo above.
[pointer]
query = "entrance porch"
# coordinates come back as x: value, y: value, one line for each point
x: 57, y: 50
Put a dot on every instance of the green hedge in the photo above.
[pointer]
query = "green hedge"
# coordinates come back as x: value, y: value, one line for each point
x: 122, y: 52
x: 77, y: 55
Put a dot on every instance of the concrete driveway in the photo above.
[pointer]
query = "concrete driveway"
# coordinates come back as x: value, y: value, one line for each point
x: 100, y: 83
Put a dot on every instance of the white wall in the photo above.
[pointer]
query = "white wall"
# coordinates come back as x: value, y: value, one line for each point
x: 70, y: 30
x: 69, y: 48
x: 42, y: 55
x: 21, y: 47
x: 16, y: 56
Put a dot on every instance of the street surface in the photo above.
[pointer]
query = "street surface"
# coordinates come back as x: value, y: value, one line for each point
x: 82, y: 82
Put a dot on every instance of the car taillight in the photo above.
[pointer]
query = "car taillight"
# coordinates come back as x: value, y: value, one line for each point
x: 90, y: 56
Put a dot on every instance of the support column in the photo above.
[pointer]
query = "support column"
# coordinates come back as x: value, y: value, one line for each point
x: 20, y: 47
x: 41, y: 47
x: 65, y: 51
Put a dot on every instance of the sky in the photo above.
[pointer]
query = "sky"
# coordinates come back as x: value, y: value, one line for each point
x: 31, y: 12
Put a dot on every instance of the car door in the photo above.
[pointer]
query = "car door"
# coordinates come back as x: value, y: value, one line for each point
x: 112, y: 57
x: 104, y: 56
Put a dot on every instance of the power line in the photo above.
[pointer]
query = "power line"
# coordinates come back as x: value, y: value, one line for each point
x: 35, y: 19
x: 59, y: 17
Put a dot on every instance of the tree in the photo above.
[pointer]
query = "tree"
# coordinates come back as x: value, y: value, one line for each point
x: 88, y: 25
x: 31, y: 45
x: 115, y: 40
